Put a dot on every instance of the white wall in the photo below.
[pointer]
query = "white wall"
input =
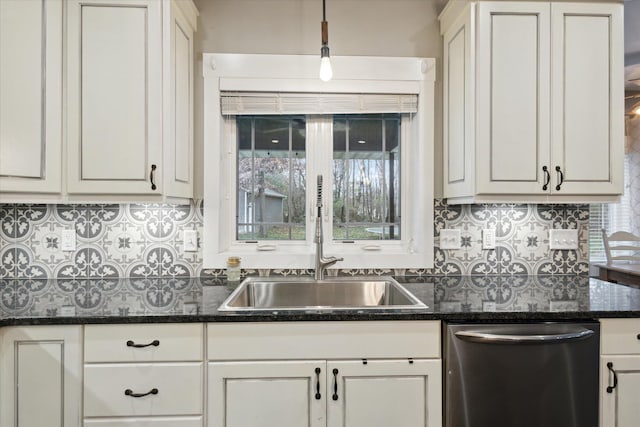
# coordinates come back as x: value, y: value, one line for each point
x: 356, y: 27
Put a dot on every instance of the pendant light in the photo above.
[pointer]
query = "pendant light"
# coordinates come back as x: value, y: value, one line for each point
x: 325, y: 63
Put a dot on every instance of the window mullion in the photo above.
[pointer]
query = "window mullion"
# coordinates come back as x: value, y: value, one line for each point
x: 347, y: 173
x: 253, y: 179
x: 290, y: 198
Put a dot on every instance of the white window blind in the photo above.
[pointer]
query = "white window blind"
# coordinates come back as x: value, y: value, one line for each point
x: 611, y: 217
x: 250, y: 103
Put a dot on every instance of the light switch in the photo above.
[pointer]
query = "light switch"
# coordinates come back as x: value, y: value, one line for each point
x: 563, y: 239
x: 450, y: 239
x: 190, y: 240
x: 68, y: 238
x: 488, y: 238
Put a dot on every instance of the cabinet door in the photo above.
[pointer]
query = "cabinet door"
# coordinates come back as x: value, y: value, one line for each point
x: 587, y: 98
x: 178, y: 109
x: 267, y: 394
x: 620, y: 408
x: 41, y: 371
x: 512, y: 97
x: 31, y: 101
x: 384, y: 393
x: 114, y: 96
x: 458, y: 99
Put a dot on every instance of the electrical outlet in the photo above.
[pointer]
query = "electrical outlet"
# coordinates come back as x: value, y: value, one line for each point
x: 450, y: 239
x: 68, y: 238
x: 190, y: 240
x: 488, y: 238
x: 563, y: 239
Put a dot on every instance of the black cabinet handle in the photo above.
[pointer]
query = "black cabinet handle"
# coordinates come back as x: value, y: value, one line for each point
x: 152, y: 177
x: 561, y: 177
x: 638, y: 336
x: 129, y: 392
x: 547, y: 178
x: 318, y: 395
x: 335, y: 384
x: 615, y: 378
x: 154, y: 343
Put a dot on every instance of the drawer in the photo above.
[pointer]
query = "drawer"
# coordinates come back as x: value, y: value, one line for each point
x: 146, y: 422
x: 620, y: 336
x: 143, y: 342
x: 179, y: 389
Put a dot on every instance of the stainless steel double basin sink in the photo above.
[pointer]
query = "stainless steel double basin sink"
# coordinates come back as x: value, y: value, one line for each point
x: 262, y: 294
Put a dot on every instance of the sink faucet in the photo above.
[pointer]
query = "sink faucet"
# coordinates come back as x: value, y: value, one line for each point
x: 322, y: 263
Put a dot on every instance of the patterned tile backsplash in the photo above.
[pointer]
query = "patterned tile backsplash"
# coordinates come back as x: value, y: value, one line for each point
x: 145, y: 240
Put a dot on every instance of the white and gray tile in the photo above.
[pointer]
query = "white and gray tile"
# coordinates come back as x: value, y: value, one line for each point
x: 146, y: 240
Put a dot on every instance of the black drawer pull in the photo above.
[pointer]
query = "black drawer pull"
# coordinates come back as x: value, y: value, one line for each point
x: 561, y: 178
x: 318, y: 395
x: 152, y: 177
x: 129, y: 392
x: 615, y: 378
x: 154, y: 343
x: 638, y: 336
x: 547, y: 179
x: 335, y: 384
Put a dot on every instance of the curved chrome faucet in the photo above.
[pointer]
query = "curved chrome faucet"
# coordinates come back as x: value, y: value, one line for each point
x: 322, y: 263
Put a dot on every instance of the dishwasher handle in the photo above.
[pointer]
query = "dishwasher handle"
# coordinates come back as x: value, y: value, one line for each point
x: 490, y: 338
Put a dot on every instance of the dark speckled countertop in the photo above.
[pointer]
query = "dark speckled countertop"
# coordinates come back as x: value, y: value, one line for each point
x: 461, y: 298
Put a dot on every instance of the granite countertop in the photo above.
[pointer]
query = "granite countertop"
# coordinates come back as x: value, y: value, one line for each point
x: 189, y: 299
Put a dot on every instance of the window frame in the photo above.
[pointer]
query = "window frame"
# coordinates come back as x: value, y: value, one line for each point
x: 298, y: 73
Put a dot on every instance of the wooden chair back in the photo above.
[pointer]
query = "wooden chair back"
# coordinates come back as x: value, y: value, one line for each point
x: 621, y: 246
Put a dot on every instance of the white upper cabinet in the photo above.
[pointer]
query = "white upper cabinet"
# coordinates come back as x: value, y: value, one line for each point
x: 126, y: 130
x: 31, y: 100
x: 114, y: 96
x: 179, y: 27
x: 533, y: 101
x: 587, y: 97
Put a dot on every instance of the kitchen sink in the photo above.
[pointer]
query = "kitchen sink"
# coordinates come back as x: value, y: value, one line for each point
x: 308, y: 294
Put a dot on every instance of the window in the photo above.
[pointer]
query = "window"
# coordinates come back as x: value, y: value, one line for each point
x: 366, y: 177
x: 611, y: 217
x: 271, y: 177
x: 272, y: 126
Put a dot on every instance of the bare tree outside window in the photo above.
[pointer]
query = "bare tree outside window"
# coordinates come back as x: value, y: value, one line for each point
x: 271, y: 178
x: 366, y: 177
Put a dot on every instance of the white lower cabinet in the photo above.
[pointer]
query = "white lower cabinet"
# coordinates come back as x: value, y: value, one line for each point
x: 148, y: 375
x: 620, y: 373
x: 315, y: 393
x: 40, y: 376
x: 263, y: 374
x: 384, y: 393
x: 267, y: 394
x: 400, y: 386
x: 620, y: 392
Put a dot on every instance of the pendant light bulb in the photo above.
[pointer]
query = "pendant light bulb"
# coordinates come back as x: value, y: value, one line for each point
x: 326, y: 72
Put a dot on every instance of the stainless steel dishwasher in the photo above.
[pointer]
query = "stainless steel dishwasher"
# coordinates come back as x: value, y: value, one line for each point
x: 522, y: 375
